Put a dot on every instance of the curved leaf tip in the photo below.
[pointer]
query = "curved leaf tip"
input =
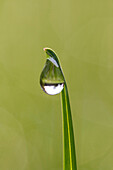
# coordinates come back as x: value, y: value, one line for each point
x: 51, y: 55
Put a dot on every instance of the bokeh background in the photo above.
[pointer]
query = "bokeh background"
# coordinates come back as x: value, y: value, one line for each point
x: 81, y: 33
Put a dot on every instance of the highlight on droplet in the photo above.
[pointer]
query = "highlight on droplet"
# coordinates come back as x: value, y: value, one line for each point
x: 52, y: 89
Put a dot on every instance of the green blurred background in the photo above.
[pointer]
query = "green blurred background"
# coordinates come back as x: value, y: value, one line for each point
x: 81, y: 33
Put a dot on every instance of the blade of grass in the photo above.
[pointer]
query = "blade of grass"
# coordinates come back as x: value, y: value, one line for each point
x: 69, y: 156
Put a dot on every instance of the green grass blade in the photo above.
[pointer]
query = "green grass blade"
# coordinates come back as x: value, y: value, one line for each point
x: 69, y: 156
x: 51, y: 74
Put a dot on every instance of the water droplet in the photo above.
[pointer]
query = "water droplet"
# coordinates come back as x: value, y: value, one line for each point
x: 51, y: 78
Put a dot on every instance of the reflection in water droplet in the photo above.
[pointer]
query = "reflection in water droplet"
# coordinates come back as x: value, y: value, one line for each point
x: 52, y: 89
